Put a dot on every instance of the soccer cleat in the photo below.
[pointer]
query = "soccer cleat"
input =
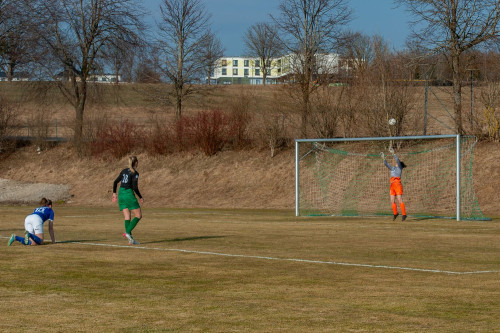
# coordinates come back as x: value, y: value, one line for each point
x: 27, y: 238
x: 129, y: 237
x: 395, y: 216
x: 133, y: 242
x: 11, y: 239
x: 403, y: 218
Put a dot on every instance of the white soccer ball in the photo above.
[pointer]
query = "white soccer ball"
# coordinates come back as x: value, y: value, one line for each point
x: 392, y: 121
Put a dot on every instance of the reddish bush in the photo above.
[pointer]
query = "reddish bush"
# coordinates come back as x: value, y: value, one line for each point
x: 162, y: 139
x: 183, y: 133
x: 238, y: 129
x: 159, y: 141
x: 210, y: 131
x: 116, y: 140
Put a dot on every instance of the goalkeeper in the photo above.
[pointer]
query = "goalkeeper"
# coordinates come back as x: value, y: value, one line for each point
x: 396, y: 186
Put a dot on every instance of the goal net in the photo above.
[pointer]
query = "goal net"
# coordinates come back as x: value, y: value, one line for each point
x: 347, y: 177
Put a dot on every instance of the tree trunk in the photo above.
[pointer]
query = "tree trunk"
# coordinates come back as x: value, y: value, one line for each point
x: 10, y: 71
x: 210, y: 69
x: 178, y: 100
x: 79, y: 110
x: 264, y: 71
x: 457, y: 94
x: 305, y: 108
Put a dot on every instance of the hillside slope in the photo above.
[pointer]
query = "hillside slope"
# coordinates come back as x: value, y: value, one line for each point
x: 245, y: 179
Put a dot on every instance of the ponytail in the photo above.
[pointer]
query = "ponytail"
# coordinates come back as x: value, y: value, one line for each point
x: 131, y: 161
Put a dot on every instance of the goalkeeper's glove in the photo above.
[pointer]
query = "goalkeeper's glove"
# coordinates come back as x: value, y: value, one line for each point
x: 382, y: 155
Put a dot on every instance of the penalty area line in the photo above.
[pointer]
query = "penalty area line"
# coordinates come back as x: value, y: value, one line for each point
x: 309, y: 261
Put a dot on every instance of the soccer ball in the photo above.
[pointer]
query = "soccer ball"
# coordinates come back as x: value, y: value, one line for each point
x: 392, y: 121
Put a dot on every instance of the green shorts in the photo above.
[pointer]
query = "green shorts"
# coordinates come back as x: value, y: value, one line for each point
x: 127, y: 199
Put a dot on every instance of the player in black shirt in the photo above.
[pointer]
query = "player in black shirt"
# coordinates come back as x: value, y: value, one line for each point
x: 127, y: 200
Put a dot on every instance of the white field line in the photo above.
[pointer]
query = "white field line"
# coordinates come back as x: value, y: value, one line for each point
x: 290, y: 259
x: 427, y: 270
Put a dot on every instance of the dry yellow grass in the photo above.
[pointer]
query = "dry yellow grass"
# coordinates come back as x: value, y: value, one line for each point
x: 250, y: 271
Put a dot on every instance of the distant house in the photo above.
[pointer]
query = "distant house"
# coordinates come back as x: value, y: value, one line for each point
x: 98, y: 78
x: 16, y: 78
x: 105, y: 78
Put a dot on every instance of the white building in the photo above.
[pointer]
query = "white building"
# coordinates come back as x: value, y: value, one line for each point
x: 247, y: 70
x: 97, y: 78
x: 105, y: 78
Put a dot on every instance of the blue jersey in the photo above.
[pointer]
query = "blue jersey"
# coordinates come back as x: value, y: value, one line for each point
x: 46, y: 213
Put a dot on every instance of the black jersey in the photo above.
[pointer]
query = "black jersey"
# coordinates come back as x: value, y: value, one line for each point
x: 128, y: 180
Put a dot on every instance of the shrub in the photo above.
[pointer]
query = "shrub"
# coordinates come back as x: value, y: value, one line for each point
x: 7, y: 122
x: 116, y: 140
x: 238, y: 129
x: 159, y: 141
x: 490, y: 97
x: 183, y: 137
x: 210, y: 131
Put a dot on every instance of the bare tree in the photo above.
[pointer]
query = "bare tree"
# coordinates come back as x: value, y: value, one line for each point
x: 119, y: 56
x: 310, y: 28
x: 146, y: 70
x: 452, y: 27
x: 13, y: 38
x: 387, y: 91
x: 357, y: 52
x: 183, y: 28
x: 210, y: 54
x: 262, y: 41
x: 71, y: 36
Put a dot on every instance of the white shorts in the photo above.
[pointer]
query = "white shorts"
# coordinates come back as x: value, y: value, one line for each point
x: 33, y: 224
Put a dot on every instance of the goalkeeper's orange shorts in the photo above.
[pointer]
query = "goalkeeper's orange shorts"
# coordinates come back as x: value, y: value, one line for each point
x: 396, y: 186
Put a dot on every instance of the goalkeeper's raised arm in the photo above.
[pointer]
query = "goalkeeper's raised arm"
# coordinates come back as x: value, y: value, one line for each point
x: 397, y: 170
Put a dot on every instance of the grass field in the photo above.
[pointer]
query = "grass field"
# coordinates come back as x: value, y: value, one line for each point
x: 250, y: 271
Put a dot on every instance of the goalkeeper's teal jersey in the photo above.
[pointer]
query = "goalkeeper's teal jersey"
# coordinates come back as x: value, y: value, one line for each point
x: 395, y: 170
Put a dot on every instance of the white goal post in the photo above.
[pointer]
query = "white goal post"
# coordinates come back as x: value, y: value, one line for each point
x: 347, y: 177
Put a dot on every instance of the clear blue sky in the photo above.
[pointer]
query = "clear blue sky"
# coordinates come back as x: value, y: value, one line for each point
x: 231, y: 19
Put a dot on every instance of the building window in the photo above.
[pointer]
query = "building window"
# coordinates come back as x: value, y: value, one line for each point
x: 235, y: 70
x: 245, y: 63
x: 245, y: 71
x: 235, y: 63
x: 257, y: 63
x: 268, y: 71
x: 257, y: 72
x: 224, y: 62
x: 224, y: 71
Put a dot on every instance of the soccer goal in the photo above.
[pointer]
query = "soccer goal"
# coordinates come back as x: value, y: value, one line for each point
x: 347, y: 177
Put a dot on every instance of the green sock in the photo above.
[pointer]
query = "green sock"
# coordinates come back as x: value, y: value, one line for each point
x: 133, y: 223
x: 127, y: 226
